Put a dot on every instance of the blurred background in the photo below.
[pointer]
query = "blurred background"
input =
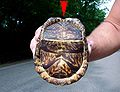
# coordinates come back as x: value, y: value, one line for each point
x: 20, y: 18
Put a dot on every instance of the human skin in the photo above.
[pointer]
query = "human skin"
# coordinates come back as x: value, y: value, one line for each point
x: 104, y: 40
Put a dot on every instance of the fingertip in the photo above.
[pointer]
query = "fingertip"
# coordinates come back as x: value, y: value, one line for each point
x: 38, y: 30
x: 33, y: 45
x: 90, y: 45
x: 37, y: 33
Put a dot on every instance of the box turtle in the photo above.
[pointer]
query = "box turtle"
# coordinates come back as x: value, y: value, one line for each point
x: 61, y: 55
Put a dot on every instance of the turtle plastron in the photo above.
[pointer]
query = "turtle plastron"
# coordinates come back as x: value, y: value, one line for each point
x: 61, y: 58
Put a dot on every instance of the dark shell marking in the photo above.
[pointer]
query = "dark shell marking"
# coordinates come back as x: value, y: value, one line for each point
x: 61, y: 55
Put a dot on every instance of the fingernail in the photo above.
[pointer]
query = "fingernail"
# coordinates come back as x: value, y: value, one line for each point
x: 90, y: 45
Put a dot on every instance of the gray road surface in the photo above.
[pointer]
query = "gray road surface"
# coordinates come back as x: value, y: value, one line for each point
x: 101, y: 76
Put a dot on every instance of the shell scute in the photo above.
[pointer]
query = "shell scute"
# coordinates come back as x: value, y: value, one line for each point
x: 61, y: 55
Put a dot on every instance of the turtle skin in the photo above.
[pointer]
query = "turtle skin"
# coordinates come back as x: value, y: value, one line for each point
x: 61, y: 55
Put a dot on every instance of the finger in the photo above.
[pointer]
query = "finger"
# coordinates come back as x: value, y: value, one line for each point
x: 37, y: 33
x: 34, y: 41
x: 90, y: 45
x: 33, y: 45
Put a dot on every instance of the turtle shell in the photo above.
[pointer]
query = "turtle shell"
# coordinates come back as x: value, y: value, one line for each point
x: 61, y: 55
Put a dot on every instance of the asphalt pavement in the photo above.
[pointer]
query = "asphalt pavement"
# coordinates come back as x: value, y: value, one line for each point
x: 102, y: 76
